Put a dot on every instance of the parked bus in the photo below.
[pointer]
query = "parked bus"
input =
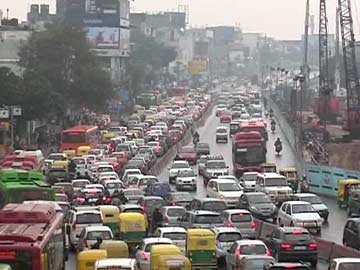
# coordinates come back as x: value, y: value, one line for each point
x: 17, y: 186
x: 32, y: 237
x: 73, y: 138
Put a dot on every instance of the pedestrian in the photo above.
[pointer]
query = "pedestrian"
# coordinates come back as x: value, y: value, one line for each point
x: 157, y: 219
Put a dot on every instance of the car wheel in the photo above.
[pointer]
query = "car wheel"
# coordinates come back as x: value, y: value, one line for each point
x: 314, y: 264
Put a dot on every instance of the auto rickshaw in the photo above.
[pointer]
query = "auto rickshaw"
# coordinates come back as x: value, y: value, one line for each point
x: 115, y: 248
x: 292, y: 177
x: 200, y: 248
x: 87, y: 258
x: 268, y: 168
x: 63, y: 164
x: 132, y: 227
x: 106, y: 137
x: 83, y: 150
x: 70, y: 153
x: 345, y: 187
x: 110, y: 215
x: 163, y: 257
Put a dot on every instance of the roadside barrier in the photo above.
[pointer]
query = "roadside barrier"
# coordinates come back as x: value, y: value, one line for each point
x: 326, y: 250
x: 163, y: 162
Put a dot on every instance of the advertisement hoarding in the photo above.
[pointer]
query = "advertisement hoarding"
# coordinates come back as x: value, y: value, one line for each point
x: 124, y: 39
x: 198, y: 66
x: 103, y: 37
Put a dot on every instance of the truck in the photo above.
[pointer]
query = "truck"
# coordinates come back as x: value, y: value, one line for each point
x: 248, y: 152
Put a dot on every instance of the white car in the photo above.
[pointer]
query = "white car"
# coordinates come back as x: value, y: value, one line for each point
x: 301, y: 214
x: 133, y: 146
x: 248, y: 181
x: 344, y: 263
x: 186, y: 178
x: 89, y: 235
x: 141, y: 181
x: 241, y: 248
x: 142, y: 254
x: 130, y: 174
x: 224, y: 189
x: 81, y: 165
x: 225, y: 237
x: 106, y: 176
x: 79, y: 184
x: 126, y: 264
x: 222, y: 134
x: 315, y: 201
x: 112, y: 185
x: 176, y: 234
x: 175, y: 167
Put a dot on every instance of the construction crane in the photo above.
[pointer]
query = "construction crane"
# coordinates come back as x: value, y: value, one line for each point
x: 324, y: 85
x: 351, y: 76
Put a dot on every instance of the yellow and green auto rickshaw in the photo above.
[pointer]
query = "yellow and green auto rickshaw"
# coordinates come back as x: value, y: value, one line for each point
x: 115, y: 248
x: 268, y: 168
x: 106, y: 137
x: 132, y: 227
x: 83, y: 150
x: 345, y: 187
x: 292, y: 177
x: 87, y: 258
x: 168, y: 256
x: 200, y: 248
x: 110, y: 214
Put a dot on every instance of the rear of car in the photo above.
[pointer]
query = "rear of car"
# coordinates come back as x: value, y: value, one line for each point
x: 150, y: 203
x: 206, y: 219
x: 225, y: 237
x: 171, y: 214
x: 242, y: 220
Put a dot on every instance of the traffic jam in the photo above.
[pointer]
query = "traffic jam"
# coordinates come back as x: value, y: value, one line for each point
x: 99, y: 202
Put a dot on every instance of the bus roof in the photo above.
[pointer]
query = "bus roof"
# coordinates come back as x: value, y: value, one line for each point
x: 36, y: 212
x: 253, y: 124
x: 81, y: 128
x: 13, y: 175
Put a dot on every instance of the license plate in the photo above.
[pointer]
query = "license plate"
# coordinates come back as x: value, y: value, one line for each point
x: 300, y: 248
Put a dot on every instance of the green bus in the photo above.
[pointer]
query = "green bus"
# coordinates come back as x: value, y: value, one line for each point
x: 17, y: 186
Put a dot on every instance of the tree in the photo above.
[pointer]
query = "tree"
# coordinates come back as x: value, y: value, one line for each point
x: 61, y: 72
x: 147, y: 59
x: 10, y: 87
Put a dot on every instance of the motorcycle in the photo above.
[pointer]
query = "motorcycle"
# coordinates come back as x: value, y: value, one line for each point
x: 278, y: 148
x: 196, y: 140
x: 273, y: 128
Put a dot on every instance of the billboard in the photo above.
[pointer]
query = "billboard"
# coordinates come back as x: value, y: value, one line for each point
x: 103, y: 37
x: 124, y: 39
x: 104, y: 7
x: 198, y: 66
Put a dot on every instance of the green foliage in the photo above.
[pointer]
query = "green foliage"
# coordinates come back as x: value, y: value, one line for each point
x: 60, y: 72
x: 10, y: 87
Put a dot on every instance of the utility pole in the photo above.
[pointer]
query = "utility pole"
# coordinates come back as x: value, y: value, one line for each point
x: 337, y: 52
x: 305, y: 65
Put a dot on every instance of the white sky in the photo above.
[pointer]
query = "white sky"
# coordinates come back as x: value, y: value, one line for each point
x: 282, y: 19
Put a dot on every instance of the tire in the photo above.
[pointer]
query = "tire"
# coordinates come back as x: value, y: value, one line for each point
x: 314, y: 264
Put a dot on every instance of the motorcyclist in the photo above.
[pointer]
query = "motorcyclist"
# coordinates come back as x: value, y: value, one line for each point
x: 97, y: 244
x: 157, y: 219
x: 304, y: 184
x: 72, y: 167
x: 278, y: 144
x: 273, y: 125
x: 122, y: 197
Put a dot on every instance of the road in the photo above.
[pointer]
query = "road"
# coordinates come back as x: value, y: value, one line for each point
x: 331, y: 231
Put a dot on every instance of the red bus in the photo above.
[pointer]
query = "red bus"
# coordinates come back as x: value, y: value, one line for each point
x: 256, y: 125
x: 77, y: 136
x: 31, y: 237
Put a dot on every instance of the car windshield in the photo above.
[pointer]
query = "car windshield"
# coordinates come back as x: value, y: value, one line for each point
x: 258, y: 199
x: 311, y: 199
x: 349, y: 266
x: 276, y: 182
x: 80, y: 184
x: 175, y: 212
x: 229, y: 237
x: 176, y: 236
x: 59, y: 173
x: 104, y: 235
x: 207, y: 219
x: 187, y: 150
x: 88, y: 218
x: 181, y: 197
x: 221, y: 130
x: 229, y: 187
x: 297, y: 237
x: 114, y: 186
x: 241, y: 217
x: 95, y: 152
x: 79, y: 161
x: 161, y: 188
x: 105, y: 169
x: 154, y: 203
x: 179, y: 166
x: 132, y: 192
x: 302, y: 208
x: 186, y: 173
x: 252, y: 249
x: 216, y: 164
x: 214, y: 206
x: 57, y: 157
x: 153, y: 144
x: 148, y: 246
x: 202, y: 145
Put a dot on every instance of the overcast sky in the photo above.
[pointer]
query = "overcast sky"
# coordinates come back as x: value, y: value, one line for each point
x: 282, y: 19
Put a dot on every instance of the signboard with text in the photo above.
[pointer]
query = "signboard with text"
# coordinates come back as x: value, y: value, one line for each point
x: 103, y: 37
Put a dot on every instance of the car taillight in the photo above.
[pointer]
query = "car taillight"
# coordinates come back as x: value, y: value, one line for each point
x: 104, y: 199
x: 268, y: 253
x: 238, y: 253
x: 313, y: 246
x: 230, y: 224
x: 253, y: 224
x: 74, y: 226
x: 289, y: 266
x: 85, y: 244
x: 286, y: 246
x: 297, y: 232
x: 173, y: 204
x: 144, y: 256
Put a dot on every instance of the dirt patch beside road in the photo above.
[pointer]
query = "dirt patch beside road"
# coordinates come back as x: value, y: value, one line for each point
x: 344, y: 155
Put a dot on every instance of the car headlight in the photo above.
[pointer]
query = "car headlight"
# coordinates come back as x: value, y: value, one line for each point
x: 253, y: 208
x: 222, y: 197
x: 193, y: 180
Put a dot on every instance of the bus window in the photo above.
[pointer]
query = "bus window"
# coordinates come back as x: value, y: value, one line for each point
x: 73, y: 137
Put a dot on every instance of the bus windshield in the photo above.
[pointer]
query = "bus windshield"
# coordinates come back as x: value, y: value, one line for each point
x: 249, y: 155
x: 73, y: 137
x: 19, y: 195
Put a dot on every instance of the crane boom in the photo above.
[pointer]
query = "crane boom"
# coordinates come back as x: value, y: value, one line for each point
x: 351, y: 76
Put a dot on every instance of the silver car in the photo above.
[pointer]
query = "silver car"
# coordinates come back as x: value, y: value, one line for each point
x: 240, y: 219
x: 225, y: 237
x: 171, y: 214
